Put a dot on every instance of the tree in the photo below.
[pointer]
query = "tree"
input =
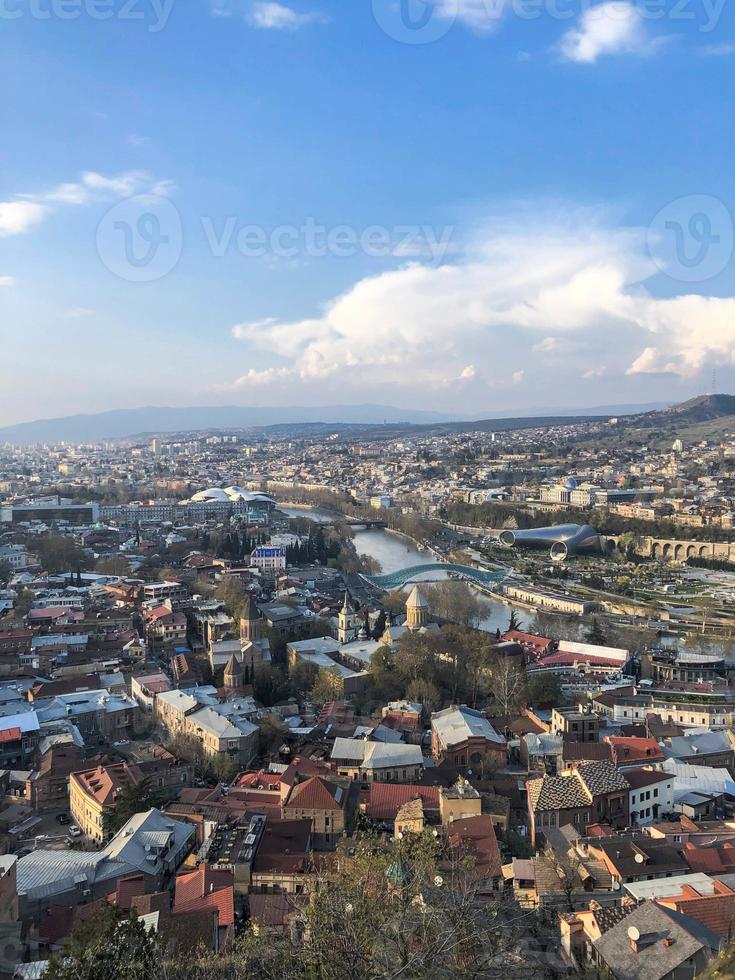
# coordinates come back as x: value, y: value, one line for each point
x: 190, y: 749
x: 595, y: 633
x: 328, y: 686
x: 379, y: 627
x: 112, y: 566
x: 509, y: 685
x: 514, y: 622
x: 303, y: 675
x: 231, y: 592
x: 705, y: 603
x: 110, y: 945
x: 394, y: 602
x: 134, y: 798
x: 225, y: 768
x: 400, y: 909
x: 270, y: 684
x: 385, y: 682
x: 544, y: 690
x: 58, y: 553
x: 567, y: 867
x: 425, y: 693
x: 23, y: 603
x: 416, y: 656
x: 370, y: 565
x: 455, y: 602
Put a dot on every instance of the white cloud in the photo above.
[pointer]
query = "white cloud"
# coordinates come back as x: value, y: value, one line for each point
x: 617, y: 27
x: 574, y: 286
x: 19, y: 216
x: 271, y: 16
x: 481, y: 16
x: 593, y: 373
x: 554, y: 345
x: 28, y: 210
x: 7, y: 280
x: 517, y: 377
x: 264, y: 377
x: 693, y: 332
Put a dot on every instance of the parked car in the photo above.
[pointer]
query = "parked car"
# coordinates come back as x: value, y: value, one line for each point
x: 74, y: 831
x: 63, y: 818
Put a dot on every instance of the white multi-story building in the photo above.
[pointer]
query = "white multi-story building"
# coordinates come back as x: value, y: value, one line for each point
x: 16, y: 557
x: 269, y: 560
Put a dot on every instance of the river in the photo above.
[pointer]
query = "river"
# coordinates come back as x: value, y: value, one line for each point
x: 313, y: 513
x: 396, y: 551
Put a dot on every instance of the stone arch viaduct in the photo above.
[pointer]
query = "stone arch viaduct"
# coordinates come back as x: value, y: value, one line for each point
x: 672, y: 549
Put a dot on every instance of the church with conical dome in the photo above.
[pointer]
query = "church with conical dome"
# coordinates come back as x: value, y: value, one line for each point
x: 417, y: 609
x: 416, y: 621
x: 254, y: 650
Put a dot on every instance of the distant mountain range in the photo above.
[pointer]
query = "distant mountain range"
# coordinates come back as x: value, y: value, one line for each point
x: 125, y: 422
x: 374, y: 420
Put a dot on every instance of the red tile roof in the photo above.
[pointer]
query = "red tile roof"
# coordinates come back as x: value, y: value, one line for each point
x: 384, y: 800
x: 710, y: 860
x: 476, y: 836
x: 262, y: 780
x: 206, y: 888
x: 715, y: 912
x: 316, y: 793
x: 632, y: 749
x: 103, y: 782
x: 270, y: 910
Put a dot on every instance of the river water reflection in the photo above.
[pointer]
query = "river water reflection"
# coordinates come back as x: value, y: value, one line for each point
x: 394, y: 552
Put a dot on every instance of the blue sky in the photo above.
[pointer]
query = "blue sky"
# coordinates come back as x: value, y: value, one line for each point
x: 520, y: 203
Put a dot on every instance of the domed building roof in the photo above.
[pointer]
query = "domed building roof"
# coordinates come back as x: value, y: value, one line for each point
x: 231, y: 494
x: 212, y: 493
x: 416, y: 599
x: 571, y: 484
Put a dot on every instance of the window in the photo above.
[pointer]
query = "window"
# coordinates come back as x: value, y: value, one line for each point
x: 655, y: 793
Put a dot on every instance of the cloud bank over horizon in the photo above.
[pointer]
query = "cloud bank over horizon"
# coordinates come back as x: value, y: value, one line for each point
x: 526, y: 293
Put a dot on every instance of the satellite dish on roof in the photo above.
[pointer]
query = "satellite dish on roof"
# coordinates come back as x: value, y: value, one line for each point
x: 639, y: 858
x: 634, y: 934
x: 616, y: 886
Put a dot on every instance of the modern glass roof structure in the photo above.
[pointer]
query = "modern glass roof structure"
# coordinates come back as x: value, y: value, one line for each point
x: 562, y: 541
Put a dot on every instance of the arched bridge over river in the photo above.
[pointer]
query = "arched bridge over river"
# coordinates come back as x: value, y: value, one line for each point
x: 394, y: 580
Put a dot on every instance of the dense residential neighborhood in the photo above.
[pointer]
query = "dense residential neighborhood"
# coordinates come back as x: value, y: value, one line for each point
x: 219, y: 706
